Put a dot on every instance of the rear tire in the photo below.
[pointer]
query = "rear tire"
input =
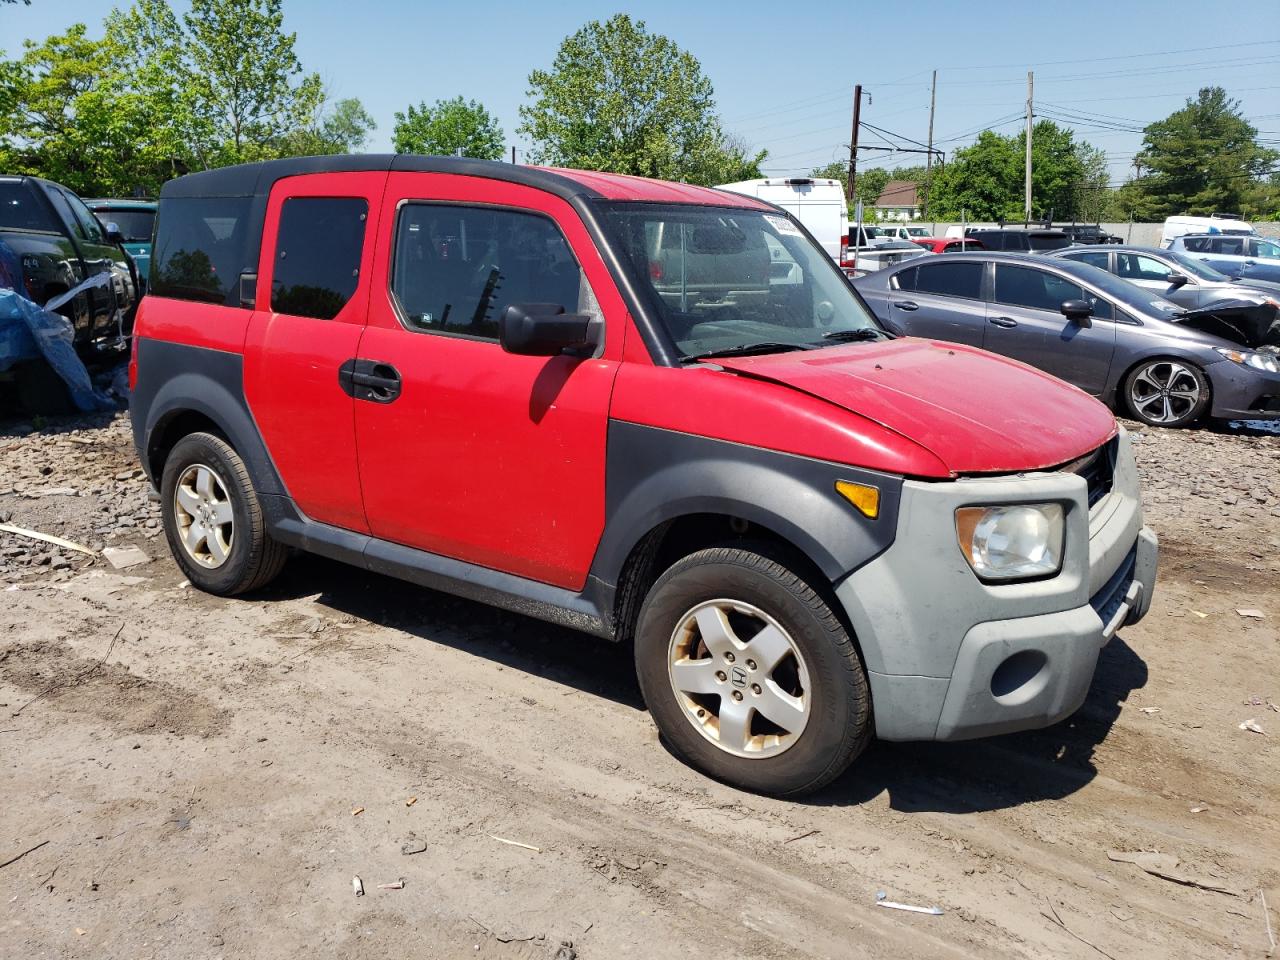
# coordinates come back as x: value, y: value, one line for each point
x: 213, y: 518
x: 749, y: 675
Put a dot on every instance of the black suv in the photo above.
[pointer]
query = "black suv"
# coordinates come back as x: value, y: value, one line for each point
x: 1089, y: 233
x: 1019, y: 239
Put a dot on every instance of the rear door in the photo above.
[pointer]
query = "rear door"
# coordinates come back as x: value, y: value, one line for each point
x: 312, y: 301
x: 1025, y: 322
x: 939, y: 300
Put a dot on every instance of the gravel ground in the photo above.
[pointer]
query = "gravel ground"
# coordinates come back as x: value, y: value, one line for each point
x: 207, y: 776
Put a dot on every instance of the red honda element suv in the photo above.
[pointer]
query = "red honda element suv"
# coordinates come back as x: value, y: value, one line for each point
x: 653, y: 412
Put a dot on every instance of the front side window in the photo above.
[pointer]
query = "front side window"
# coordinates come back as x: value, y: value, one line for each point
x: 1133, y: 266
x: 950, y: 279
x: 90, y: 228
x: 201, y: 249
x: 457, y: 268
x: 1036, y: 289
x: 729, y: 279
x: 317, y: 257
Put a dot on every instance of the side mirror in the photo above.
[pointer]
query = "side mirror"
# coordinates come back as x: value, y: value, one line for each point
x: 545, y: 330
x: 113, y: 232
x: 1177, y: 279
x: 1078, y: 311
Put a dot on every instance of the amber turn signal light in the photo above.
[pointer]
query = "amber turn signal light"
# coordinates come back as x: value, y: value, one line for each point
x: 865, y: 498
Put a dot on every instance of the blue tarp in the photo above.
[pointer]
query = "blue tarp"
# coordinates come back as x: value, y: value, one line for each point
x: 30, y: 332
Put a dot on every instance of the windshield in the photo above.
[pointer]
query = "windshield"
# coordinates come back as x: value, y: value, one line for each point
x: 135, y: 225
x: 1196, y: 268
x: 20, y: 208
x: 721, y: 278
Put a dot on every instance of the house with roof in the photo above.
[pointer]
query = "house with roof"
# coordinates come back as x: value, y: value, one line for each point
x: 899, y: 200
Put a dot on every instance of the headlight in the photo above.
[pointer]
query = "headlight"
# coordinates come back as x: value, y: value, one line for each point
x: 1269, y: 362
x: 1011, y: 542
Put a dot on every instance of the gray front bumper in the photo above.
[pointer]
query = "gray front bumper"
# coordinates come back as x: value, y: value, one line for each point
x: 949, y: 657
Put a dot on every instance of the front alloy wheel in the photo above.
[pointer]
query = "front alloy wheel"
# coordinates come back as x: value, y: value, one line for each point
x: 1167, y: 393
x: 749, y: 673
x: 750, y: 697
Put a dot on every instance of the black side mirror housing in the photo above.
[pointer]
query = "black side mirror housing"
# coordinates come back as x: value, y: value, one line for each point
x: 1177, y: 279
x: 113, y: 232
x: 545, y: 330
x: 1078, y: 311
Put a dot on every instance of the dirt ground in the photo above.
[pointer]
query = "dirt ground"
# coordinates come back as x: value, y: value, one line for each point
x: 205, y: 777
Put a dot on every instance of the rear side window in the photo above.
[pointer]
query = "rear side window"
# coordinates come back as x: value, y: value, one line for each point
x: 1196, y: 244
x: 1027, y: 287
x: 21, y: 209
x: 1093, y: 259
x: 456, y: 268
x: 317, y: 257
x: 202, y: 246
x: 950, y: 279
x: 1229, y: 246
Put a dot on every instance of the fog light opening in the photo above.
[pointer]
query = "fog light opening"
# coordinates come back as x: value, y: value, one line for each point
x: 1020, y: 677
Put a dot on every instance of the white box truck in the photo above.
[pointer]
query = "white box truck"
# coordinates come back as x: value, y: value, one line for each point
x: 815, y: 202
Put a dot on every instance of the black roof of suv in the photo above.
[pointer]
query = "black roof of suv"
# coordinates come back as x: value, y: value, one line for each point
x: 1033, y: 239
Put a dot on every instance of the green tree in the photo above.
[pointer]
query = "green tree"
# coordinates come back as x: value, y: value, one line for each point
x: 246, y: 77
x: 343, y: 129
x: 1202, y: 158
x: 985, y: 181
x: 446, y: 127
x: 621, y: 99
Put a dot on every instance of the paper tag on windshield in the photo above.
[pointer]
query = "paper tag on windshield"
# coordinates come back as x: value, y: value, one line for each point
x: 783, y: 225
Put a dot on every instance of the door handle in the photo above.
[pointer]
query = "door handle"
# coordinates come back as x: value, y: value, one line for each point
x: 1003, y: 321
x: 371, y: 380
x: 906, y: 305
x: 1250, y: 263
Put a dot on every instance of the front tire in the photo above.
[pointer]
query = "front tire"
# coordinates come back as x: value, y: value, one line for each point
x: 749, y: 675
x: 213, y: 518
x: 1165, y: 392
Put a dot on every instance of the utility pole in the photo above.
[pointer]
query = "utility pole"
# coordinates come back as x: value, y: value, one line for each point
x: 513, y: 154
x: 1030, y: 114
x: 853, y: 142
x: 928, y: 162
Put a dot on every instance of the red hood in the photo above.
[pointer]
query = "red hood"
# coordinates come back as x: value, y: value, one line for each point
x: 975, y: 411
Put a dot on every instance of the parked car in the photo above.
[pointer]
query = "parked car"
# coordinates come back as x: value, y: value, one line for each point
x: 819, y: 204
x: 1177, y: 277
x: 1019, y: 239
x: 1131, y: 348
x: 135, y: 221
x: 903, y: 232
x: 592, y: 398
x: 60, y: 244
x: 950, y: 244
x: 1228, y: 223
x: 1089, y: 234
x: 1240, y: 257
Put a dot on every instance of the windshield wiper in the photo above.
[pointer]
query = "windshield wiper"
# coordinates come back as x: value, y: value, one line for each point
x: 854, y: 336
x: 749, y: 349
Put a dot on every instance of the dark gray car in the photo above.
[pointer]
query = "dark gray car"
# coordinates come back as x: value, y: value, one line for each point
x: 1132, y: 349
x: 1185, y: 280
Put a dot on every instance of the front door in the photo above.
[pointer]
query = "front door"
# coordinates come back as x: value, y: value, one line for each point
x: 1025, y: 322
x: 471, y: 452
x: 312, y: 300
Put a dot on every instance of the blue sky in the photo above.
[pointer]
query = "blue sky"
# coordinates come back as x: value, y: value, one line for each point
x: 784, y: 75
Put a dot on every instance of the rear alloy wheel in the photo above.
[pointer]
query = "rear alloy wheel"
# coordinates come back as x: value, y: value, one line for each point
x: 749, y: 674
x: 1167, y: 393
x: 213, y: 518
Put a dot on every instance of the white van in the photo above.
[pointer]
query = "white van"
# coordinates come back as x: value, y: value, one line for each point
x: 817, y: 203
x: 1175, y: 227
